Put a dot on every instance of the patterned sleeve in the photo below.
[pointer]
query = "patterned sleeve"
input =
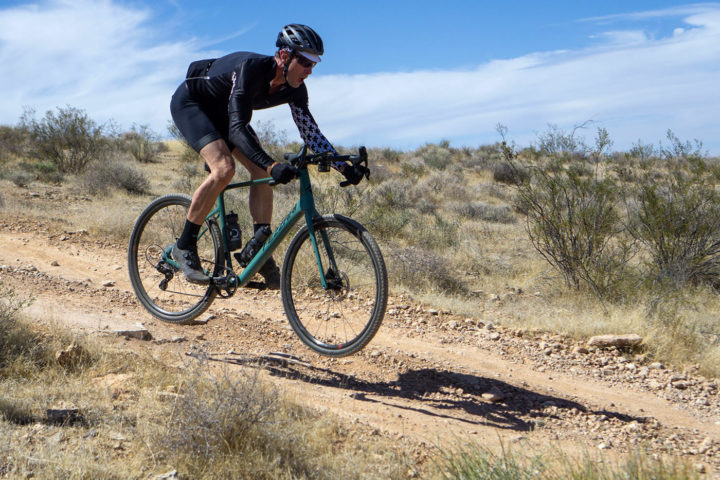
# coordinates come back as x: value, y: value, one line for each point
x: 309, y: 131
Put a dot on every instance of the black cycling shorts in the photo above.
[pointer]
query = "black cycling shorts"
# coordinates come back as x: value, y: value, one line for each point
x: 198, y: 126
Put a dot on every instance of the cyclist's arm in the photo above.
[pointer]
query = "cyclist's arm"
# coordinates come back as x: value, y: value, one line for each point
x: 310, y: 132
x: 240, y: 114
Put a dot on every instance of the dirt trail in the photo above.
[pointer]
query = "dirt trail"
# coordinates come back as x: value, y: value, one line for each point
x: 428, y: 376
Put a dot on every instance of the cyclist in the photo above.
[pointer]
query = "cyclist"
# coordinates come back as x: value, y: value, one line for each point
x: 212, y: 109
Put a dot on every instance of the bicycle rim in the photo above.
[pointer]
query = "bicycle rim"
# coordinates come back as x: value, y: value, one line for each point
x: 343, y: 318
x: 162, y: 289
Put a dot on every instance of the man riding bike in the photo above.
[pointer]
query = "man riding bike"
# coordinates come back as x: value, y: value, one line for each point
x: 212, y: 109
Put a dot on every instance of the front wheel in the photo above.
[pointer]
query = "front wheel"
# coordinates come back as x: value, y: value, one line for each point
x: 341, y: 317
x: 161, y: 288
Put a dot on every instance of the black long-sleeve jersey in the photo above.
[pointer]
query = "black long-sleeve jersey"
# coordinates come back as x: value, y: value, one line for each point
x: 235, y: 85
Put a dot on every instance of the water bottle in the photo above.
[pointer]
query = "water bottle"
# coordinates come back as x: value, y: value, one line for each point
x: 253, y: 246
x: 233, y: 231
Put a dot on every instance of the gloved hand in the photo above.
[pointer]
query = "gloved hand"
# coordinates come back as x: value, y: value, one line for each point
x: 283, y: 172
x: 353, y: 174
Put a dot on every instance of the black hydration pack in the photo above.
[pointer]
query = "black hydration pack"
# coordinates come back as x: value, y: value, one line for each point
x: 199, y: 69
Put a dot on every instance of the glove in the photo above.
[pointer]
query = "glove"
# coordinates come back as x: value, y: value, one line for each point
x: 353, y: 174
x: 283, y: 172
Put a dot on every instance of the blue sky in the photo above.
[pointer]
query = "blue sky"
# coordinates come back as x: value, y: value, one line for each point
x: 395, y: 73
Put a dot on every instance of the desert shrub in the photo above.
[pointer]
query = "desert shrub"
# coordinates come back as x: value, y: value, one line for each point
x: 190, y: 176
x: 215, y: 413
x: 413, y: 167
x: 274, y: 142
x: 114, y: 174
x: 142, y: 143
x: 420, y: 268
x: 677, y: 217
x: 509, y: 173
x: 446, y: 185
x: 484, y: 212
x: 69, y: 138
x: 187, y: 153
x: 555, y: 142
x: 20, y: 178
x: 379, y: 172
x: 437, y: 157
x: 574, y: 223
x: 45, y: 171
x: 14, y: 340
x: 436, y: 232
x: 13, y: 141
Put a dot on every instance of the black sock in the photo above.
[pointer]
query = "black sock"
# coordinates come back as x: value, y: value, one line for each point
x: 188, y: 238
x: 258, y: 226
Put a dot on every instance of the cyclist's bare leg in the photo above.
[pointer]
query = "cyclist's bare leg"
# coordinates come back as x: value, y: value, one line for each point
x: 222, y: 168
x: 261, y: 196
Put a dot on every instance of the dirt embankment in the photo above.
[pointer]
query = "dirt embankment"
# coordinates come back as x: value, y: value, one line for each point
x: 428, y: 376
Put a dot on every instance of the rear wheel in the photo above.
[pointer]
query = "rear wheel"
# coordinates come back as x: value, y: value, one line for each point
x: 161, y: 288
x: 341, y: 318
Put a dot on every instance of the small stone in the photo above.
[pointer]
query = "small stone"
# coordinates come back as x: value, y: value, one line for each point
x: 71, y: 355
x: 700, y: 468
x: 139, y: 332
x: 206, y: 319
x: 453, y: 324
x: 62, y: 415
x: 680, y: 384
x: 630, y: 340
x: 656, y: 366
x: 108, y: 283
x: 581, y: 350
x: 376, y: 353
x: 493, y: 396
x: 706, y: 445
x: 604, y: 446
x: 54, y: 263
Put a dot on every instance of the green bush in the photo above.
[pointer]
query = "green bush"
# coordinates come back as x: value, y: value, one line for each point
x: 69, y: 138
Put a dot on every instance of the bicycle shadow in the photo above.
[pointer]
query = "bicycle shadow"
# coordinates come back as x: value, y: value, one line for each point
x: 447, y: 394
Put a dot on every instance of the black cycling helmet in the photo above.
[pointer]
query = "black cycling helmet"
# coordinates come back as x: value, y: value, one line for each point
x: 300, y: 38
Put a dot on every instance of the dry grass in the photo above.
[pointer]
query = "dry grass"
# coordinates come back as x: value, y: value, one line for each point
x: 138, y: 417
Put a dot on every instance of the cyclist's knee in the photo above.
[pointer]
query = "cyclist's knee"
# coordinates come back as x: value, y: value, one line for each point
x: 224, y: 172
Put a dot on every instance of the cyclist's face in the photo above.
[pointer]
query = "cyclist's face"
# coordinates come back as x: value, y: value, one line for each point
x: 300, y: 68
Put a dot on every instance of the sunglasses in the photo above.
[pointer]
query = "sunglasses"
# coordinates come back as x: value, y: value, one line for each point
x: 304, y: 62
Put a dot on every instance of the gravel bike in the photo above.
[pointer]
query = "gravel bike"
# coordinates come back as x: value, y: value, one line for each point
x: 333, y: 284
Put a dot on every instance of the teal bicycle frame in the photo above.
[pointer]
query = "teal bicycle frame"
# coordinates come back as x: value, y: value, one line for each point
x: 304, y: 207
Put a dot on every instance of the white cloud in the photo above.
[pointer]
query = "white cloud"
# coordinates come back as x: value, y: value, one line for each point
x: 634, y: 85
x: 96, y: 55
x: 104, y: 57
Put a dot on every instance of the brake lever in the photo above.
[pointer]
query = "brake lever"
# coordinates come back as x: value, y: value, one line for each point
x: 364, y: 159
